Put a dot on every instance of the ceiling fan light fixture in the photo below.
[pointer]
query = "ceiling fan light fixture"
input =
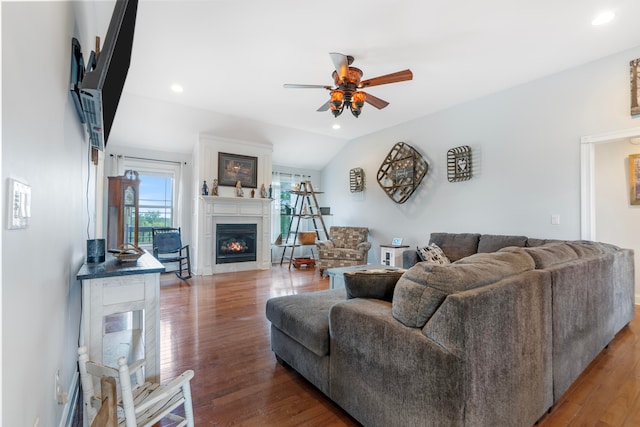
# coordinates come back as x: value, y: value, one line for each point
x: 337, y: 98
x: 348, y: 80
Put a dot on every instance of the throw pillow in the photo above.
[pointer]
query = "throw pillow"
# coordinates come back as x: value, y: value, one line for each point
x: 378, y: 284
x: 432, y: 253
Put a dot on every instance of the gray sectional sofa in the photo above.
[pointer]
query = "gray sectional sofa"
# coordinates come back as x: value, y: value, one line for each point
x: 492, y: 339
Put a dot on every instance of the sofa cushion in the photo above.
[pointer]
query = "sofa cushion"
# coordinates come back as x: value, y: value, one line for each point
x: 305, y: 317
x: 378, y: 284
x: 422, y: 289
x: 585, y: 248
x: 551, y: 254
x: 456, y: 245
x: 432, y: 253
x: 495, y: 242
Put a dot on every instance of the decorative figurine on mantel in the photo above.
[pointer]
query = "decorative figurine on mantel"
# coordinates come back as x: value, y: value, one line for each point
x: 205, y: 189
x: 263, y: 192
x: 253, y: 193
x: 239, y: 190
x: 270, y: 192
x: 214, y: 187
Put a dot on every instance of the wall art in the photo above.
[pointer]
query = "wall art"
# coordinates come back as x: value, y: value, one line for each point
x: 233, y: 168
x: 459, y: 164
x: 634, y: 179
x: 635, y: 82
x: 401, y: 172
x: 356, y: 180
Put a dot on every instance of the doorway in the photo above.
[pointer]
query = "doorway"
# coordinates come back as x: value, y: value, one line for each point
x: 606, y: 214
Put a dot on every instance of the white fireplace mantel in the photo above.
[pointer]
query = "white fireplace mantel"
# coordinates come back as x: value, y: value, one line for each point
x: 213, y: 210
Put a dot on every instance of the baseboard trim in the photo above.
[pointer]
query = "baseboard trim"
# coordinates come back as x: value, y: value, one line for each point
x: 66, y: 420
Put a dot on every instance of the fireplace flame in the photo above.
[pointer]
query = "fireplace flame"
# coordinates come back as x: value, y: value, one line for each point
x: 235, y: 246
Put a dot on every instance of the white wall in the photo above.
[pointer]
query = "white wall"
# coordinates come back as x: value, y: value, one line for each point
x: 616, y: 220
x: 526, y: 163
x: 45, y: 147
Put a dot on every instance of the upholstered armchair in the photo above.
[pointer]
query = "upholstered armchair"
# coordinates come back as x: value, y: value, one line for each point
x: 346, y: 246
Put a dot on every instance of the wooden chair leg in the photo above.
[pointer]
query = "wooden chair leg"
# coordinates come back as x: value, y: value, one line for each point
x: 107, y: 415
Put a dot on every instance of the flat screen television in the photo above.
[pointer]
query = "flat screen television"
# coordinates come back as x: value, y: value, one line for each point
x: 101, y: 88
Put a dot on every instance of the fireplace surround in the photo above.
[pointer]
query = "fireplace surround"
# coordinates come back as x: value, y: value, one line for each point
x: 216, y: 211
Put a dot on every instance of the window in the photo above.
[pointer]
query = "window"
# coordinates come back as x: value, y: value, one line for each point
x: 158, y: 194
x: 282, y: 184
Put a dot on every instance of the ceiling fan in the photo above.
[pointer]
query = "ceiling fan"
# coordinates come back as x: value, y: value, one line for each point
x: 347, y: 93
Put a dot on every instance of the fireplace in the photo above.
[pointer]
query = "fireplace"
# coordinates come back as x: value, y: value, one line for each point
x: 235, y: 243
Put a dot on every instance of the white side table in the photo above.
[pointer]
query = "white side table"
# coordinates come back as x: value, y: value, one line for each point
x: 113, y: 287
x: 391, y: 255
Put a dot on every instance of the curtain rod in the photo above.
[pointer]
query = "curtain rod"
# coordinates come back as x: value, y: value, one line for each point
x: 150, y: 160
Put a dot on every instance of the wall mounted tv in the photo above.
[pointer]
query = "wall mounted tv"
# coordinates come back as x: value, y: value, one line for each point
x: 101, y: 88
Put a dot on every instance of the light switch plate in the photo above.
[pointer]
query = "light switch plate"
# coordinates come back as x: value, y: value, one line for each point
x: 18, y: 204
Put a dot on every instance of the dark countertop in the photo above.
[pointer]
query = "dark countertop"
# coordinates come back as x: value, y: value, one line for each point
x: 112, y: 267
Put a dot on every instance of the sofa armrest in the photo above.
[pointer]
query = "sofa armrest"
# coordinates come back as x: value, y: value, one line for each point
x: 410, y: 258
x: 378, y: 365
x: 325, y: 244
x: 363, y: 247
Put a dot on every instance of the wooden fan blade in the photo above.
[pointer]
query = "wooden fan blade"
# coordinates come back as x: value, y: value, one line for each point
x: 341, y: 63
x: 375, y: 101
x: 399, y: 76
x: 324, y: 106
x: 295, y: 86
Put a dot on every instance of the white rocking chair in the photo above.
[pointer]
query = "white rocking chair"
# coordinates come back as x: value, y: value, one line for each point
x: 141, y: 404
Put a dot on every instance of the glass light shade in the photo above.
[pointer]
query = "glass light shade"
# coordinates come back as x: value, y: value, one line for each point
x: 359, y: 97
x: 354, y: 75
x: 337, y: 96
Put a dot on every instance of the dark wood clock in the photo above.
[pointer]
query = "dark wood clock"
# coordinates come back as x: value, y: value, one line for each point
x: 123, y: 210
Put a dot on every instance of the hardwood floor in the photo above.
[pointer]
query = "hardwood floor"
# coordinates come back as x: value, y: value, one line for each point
x: 216, y: 325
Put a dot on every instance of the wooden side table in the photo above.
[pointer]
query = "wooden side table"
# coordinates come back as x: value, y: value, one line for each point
x: 131, y: 289
x: 391, y: 255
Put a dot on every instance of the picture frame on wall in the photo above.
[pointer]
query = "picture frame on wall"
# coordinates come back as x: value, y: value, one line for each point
x: 634, y: 179
x: 634, y: 66
x: 234, y: 167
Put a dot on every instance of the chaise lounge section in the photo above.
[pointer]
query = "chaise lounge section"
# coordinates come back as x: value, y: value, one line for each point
x: 492, y: 339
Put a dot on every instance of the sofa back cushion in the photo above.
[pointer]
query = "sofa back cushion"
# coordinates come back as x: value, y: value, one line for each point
x: 348, y: 237
x: 422, y: 289
x: 456, y: 245
x: 375, y: 283
x: 551, y: 254
x: 585, y: 248
x: 495, y: 242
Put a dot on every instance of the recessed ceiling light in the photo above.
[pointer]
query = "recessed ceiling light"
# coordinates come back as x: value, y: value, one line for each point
x: 603, y: 18
x: 177, y: 88
x: 336, y: 126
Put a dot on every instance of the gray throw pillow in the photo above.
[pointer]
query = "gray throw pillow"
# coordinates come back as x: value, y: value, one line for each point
x: 378, y: 284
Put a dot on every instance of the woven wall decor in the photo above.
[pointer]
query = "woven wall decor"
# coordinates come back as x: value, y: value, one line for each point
x: 356, y: 180
x: 459, y: 164
x: 401, y: 172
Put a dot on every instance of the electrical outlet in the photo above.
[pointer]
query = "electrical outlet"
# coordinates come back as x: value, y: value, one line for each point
x: 555, y: 219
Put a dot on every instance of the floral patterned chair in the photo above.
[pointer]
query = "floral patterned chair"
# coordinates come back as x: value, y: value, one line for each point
x: 346, y: 246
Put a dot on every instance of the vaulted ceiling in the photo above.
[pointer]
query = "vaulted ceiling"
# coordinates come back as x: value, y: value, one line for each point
x: 232, y: 57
